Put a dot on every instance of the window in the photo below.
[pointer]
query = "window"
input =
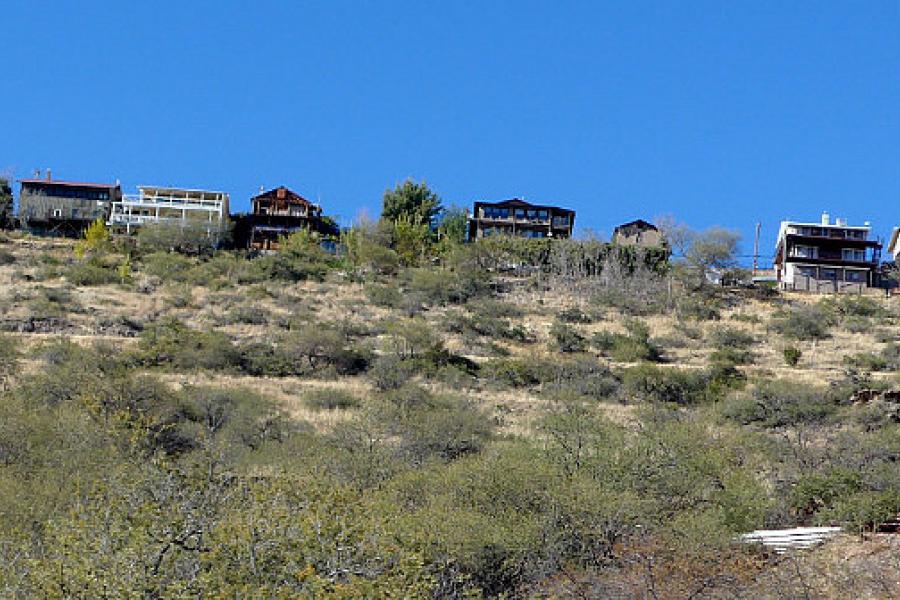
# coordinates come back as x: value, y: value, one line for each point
x: 855, y: 276
x: 492, y: 212
x: 57, y: 212
x: 807, y: 271
x: 853, y: 254
x: 829, y: 274
x: 805, y: 251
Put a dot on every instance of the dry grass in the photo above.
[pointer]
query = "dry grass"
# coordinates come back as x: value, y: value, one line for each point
x: 338, y: 301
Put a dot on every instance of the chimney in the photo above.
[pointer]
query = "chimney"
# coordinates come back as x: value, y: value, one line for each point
x: 824, y: 218
x: 49, y: 175
x: 840, y: 222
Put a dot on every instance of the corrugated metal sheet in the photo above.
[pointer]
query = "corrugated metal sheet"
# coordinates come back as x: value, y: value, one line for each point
x: 782, y: 540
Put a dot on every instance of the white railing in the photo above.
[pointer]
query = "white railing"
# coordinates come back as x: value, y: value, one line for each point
x: 172, y: 202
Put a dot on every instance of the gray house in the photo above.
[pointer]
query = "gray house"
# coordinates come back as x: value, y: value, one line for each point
x: 65, y: 208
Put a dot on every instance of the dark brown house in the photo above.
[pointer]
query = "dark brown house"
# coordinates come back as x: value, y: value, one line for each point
x: 519, y: 218
x: 275, y: 214
x: 64, y: 207
x: 638, y: 233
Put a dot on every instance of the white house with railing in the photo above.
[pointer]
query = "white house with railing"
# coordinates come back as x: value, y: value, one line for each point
x: 205, y: 208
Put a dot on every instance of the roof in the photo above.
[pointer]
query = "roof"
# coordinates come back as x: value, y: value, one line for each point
x: 289, y: 194
x: 637, y: 223
x: 105, y: 186
x: 519, y: 203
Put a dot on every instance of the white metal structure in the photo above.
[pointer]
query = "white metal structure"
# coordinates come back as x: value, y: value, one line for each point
x: 158, y: 204
x: 782, y: 540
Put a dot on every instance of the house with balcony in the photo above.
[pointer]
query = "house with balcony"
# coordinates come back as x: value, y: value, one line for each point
x: 275, y: 214
x: 521, y: 219
x: 826, y: 257
x: 203, y: 209
x: 65, y: 208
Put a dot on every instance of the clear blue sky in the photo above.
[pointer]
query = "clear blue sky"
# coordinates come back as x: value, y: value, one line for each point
x: 716, y: 112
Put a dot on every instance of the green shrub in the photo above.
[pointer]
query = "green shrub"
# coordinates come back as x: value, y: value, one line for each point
x: 266, y: 359
x: 429, y: 426
x: 698, y: 307
x: 323, y: 346
x: 725, y: 337
x: 411, y: 338
x: 581, y: 375
x: 484, y: 325
x: 168, y: 266
x: 855, y: 324
x: 792, y: 355
x: 87, y: 274
x: 247, y: 315
x: 171, y: 343
x: 491, y: 307
x: 444, y: 286
x: 867, y: 361
x: 387, y: 296
x: 779, y: 404
x: 564, y: 338
x: 390, y: 372
x: 817, y: 491
x: 649, y: 383
x: 845, y: 305
x: 864, y: 510
x: 516, y: 372
x: 631, y: 347
x: 329, y: 399
x: 804, y: 322
x: 734, y: 356
x: 574, y: 315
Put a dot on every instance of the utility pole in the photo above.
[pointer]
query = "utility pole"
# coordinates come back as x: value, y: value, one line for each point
x: 756, y: 249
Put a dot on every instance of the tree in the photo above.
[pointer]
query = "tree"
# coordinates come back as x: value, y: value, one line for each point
x: 412, y: 200
x: 453, y: 224
x: 96, y: 239
x: 410, y: 239
x: 703, y: 251
x: 6, y: 202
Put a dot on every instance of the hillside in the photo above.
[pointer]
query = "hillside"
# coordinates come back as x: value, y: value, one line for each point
x: 470, y: 424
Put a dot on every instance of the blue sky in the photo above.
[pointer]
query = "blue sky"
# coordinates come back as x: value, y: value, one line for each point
x: 719, y: 113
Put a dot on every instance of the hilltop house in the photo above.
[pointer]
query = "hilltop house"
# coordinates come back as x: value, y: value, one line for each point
x: 519, y: 218
x: 277, y: 213
x: 826, y: 257
x: 638, y: 233
x: 201, y: 208
x: 63, y: 207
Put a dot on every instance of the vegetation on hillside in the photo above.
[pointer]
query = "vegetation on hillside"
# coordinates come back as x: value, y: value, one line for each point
x: 417, y: 417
